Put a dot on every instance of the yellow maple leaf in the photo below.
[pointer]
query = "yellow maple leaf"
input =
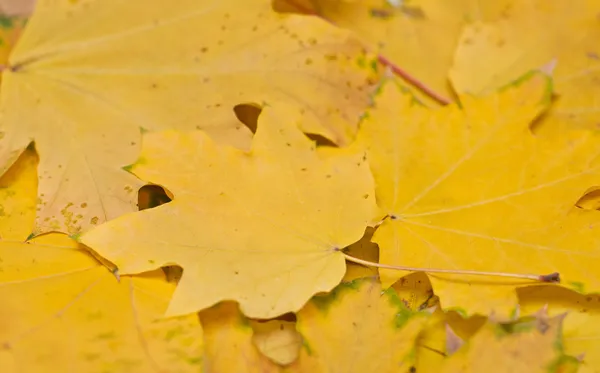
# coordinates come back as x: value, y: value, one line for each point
x: 86, y: 76
x: 581, y: 327
x: 264, y: 228
x: 358, y: 329
x: 61, y: 310
x: 470, y: 189
x: 228, y: 341
x: 417, y: 37
x: 530, y: 345
x: 535, y: 33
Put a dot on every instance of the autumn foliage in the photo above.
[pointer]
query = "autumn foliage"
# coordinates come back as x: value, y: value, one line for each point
x: 300, y: 186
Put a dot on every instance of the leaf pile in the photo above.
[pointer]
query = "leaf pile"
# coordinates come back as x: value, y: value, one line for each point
x: 300, y: 186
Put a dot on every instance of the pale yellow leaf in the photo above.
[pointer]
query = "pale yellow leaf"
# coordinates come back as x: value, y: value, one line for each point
x: 87, y: 76
x: 264, y: 228
x: 228, y: 341
x: 277, y: 339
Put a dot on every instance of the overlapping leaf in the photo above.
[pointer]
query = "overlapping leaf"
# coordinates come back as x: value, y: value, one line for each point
x: 61, y: 310
x: 472, y: 189
x: 418, y: 36
x: 17, y: 197
x: 533, y: 34
x: 263, y: 228
x: 531, y: 345
x: 228, y: 338
x: 86, y: 76
x: 581, y: 326
x: 357, y: 328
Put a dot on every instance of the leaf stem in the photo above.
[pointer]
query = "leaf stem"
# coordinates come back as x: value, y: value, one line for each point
x: 552, y: 277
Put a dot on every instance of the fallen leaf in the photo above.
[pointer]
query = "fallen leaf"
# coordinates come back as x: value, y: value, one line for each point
x: 533, y: 34
x: 414, y: 290
x: 531, y: 345
x: 60, y: 309
x: 470, y: 189
x: 432, y: 344
x: 418, y: 37
x: 82, y: 82
x: 277, y: 339
x: 228, y: 341
x: 581, y: 327
x: 357, y: 328
x: 18, y: 189
x: 264, y: 228
x: 362, y: 249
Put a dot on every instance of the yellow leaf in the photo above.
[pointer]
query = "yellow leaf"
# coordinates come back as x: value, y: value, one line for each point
x: 534, y: 34
x: 366, y: 250
x: 471, y: 189
x: 18, y: 189
x: 87, y: 75
x: 228, y: 341
x: 357, y: 328
x: 263, y: 228
x: 581, y: 328
x: 417, y: 36
x: 434, y: 342
x: 277, y: 339
x: 531, y: 345
x: 60, y: 310
x: 415, y: 291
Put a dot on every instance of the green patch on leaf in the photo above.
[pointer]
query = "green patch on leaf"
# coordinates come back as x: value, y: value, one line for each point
x: 403, y: 313
x: 322, y: 302
x: 577, y: 286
